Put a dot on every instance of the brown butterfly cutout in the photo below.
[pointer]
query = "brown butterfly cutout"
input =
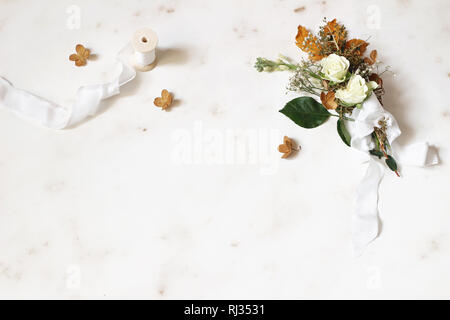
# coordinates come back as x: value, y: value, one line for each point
x: 328, y: 100
x: 164, y: 101
x: 287, y: 147
x: 81, y: 56
x: 372, y: 59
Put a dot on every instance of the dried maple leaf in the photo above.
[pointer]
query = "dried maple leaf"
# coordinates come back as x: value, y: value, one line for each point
x: 372, y: 59
x: 308, y: 43
x: 356, y: 45
x: 287, y: 147
x: 336, y: 31
x: 81, y: 56
x: 328, y: 100
x: 164, y: 101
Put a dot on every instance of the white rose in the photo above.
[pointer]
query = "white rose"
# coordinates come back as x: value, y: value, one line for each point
x: 335, y: 68
x: 355, y: 92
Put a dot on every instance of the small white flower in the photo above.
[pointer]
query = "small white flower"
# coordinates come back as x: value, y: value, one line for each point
x: 356, y: 90
x: 372, y: 85
x: 335, y: 68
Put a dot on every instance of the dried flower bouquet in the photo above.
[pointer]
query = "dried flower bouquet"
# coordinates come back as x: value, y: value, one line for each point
x: 341, y: 76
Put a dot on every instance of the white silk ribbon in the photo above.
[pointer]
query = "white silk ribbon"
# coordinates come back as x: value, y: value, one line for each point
x: 52, y: 115
x: 365, y: 218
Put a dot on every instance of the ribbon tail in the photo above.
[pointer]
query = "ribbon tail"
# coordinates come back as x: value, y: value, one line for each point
x: 419, y: 154
x: 54, y: 116
x: 365, y: 218
x: 32, y: 107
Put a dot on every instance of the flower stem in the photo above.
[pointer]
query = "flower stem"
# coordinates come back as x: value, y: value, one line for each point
x: 343, y: 117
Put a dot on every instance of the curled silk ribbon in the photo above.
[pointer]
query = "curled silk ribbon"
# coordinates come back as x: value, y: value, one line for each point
x: 52, y: 115
x: 365, y: 218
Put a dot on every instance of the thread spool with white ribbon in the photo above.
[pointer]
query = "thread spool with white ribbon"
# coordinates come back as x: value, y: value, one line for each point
x: 144, y: 44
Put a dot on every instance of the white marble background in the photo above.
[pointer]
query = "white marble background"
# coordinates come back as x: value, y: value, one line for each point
x: 104, y: 210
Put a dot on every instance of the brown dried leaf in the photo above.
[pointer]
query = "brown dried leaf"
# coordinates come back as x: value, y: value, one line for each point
x: 372, y: 59
x: 356, y: 45
x: 336, y: 30
x: 374, y: 55
x: 328, y: 100
x: 308, y: 43
x: 375, y: 77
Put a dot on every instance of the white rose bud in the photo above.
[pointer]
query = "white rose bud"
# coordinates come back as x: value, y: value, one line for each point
x: 283, y: 68
x: 355, y: 92
x: 335, y: 68
x: 372, y: 85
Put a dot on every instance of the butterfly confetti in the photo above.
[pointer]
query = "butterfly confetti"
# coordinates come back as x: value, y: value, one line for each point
x: 81, y: 56
x: 287, y: 147
x: 165, y: 101
x: 328, y: 100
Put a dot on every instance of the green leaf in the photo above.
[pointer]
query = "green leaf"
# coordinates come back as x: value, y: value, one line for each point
x: 375, y: 138
x: 391, y: 163
x: 306, y: 112
x: 343, y: 132
x: 376, y: 153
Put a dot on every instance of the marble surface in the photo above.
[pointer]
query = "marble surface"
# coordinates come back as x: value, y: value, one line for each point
x: 195, y: 202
